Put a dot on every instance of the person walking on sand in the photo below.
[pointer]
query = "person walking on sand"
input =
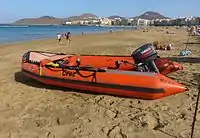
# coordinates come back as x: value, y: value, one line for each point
x: 58, y: 37
x: 68, y: 37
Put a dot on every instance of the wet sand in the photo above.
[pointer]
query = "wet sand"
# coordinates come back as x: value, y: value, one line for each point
x: 31, y: 109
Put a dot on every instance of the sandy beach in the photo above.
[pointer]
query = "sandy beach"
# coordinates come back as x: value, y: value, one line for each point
x: 31, y: 109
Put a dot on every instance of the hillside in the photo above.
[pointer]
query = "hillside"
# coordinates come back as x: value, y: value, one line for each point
x: 82, y: 17
x: 86, y: 16
x: 115, y: 16
x: 150, y: 15
x: 41, y: 20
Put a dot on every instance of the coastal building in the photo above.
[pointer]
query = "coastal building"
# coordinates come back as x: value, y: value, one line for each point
x: 192, y: 20
x: 117, y: 20
x: 143, y: 22
x: 183, y: 21
x: 68, y: 22
x: 76, y: 22
x: 124, y: 22
x: 133, y: 22
x: 95, y: 21
x: 105, y: 21
x: 83, y: 22
x: 162, y: 22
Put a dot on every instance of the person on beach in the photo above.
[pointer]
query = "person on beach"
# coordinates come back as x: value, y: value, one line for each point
x: 58, y: 37
x: 111, y: 30
x: 68, y: 36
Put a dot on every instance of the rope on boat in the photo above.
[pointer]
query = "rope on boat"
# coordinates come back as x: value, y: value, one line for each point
x: 77, y: 69
x: 94, y: 77
x: 126, y: 62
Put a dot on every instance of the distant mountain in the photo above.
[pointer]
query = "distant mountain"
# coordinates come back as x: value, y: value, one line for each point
x: 84, y: 16
x: 150, y: 15
x: 40, y: 21
x: 115, y: 16
x: 88, y: 15
x: 49, y: 20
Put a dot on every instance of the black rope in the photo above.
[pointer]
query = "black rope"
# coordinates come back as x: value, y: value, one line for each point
x: 186, y: 46
x: 84, y: 76
x: 118, y: 63
x: 94, y: 78
x: 126, y: 62
x: 196, y: 108
x: 77, y: 71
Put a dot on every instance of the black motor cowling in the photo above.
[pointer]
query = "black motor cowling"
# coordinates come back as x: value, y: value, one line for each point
x: 144, y: 57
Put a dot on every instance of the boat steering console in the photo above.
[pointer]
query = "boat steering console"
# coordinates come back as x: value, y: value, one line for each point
x: 144, y: 58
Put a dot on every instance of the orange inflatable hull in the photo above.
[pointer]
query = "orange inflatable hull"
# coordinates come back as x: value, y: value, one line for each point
x: 164, y: 65
x: 146, y: 85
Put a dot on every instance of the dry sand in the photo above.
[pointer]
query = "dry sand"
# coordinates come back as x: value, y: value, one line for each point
x: 30, y: 109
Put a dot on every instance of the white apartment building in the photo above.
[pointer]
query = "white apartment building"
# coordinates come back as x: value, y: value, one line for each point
x: 106, y: 21
x: 141, y: 22
x: 68, y: 22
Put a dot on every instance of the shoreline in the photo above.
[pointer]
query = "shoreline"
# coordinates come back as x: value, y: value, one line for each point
x: 13, y: 24
x: 75, y: 35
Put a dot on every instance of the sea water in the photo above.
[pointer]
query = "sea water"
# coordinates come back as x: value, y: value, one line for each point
x: 21, y: 33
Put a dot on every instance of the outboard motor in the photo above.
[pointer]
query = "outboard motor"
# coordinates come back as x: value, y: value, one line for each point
x: 144, y: 57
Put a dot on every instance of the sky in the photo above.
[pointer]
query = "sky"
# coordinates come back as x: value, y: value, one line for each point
x: 12, y: 10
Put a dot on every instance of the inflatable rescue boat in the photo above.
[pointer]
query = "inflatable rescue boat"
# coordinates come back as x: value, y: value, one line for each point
x: 140, y: 75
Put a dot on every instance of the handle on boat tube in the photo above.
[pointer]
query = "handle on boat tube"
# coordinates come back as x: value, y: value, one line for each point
x: 83, y: 68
